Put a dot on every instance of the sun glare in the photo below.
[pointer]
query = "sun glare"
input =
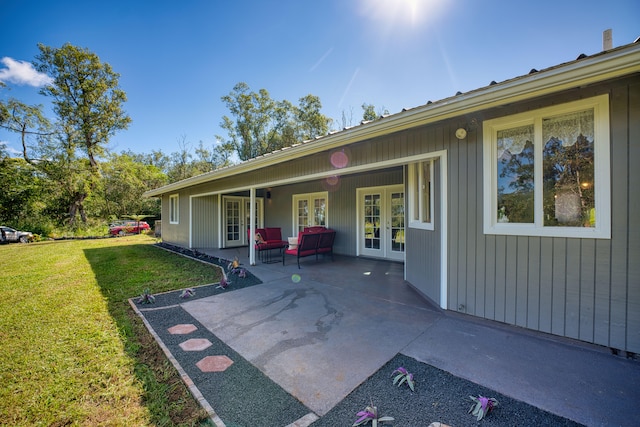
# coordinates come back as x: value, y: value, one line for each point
x: 414, y: 12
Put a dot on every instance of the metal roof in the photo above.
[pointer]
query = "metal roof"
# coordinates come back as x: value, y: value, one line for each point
x: 617, y: 62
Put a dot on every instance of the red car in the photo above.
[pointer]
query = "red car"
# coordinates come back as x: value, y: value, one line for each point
x: 128, y: 227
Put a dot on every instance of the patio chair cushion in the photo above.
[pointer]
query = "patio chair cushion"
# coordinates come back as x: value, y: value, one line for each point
x: 301, y: 253
x: 293, y: 242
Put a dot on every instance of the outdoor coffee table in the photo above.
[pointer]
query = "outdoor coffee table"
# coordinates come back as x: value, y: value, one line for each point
x: 273, y: 254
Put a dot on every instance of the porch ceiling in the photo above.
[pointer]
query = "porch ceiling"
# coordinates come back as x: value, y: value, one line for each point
x: 387, y: 164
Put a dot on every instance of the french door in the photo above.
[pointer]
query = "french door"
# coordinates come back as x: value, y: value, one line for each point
x: 381, y: 226
x: 237, y: 211
x: 310, y: 210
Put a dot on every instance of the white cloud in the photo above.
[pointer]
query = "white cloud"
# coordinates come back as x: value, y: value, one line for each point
x: 22, y: 73
x: 4, y: 146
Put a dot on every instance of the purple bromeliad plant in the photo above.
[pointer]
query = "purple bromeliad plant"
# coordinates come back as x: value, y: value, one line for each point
x: 224, y: 283
x: 187, y: 293
x: 146, y: 297
x: 370, y: 415
x: 404, y: 376
x: 234, y: 268
x: 482, y: 406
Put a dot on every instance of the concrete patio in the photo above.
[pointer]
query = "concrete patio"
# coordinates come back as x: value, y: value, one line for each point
x: 321, y: 330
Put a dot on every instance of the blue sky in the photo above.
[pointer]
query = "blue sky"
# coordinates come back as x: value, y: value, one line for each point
x: 177, y: 58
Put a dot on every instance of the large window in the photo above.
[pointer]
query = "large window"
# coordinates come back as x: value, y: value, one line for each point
x: 174, y: 211
x: 420, y: 178
x: 547, y: 171
x: 309, y: 210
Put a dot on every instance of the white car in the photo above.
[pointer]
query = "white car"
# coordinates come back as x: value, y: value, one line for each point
x: 8, y: 234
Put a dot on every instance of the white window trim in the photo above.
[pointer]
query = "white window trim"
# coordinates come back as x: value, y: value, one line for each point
x: 602, y: 172
x: 174, y: 209
x: 419, y: 222
x: 310, y: 197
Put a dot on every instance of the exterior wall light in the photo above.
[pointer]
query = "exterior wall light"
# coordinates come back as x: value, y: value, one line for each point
x: 461, y: 133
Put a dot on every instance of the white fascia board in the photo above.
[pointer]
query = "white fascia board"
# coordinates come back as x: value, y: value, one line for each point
x: 601, y: 67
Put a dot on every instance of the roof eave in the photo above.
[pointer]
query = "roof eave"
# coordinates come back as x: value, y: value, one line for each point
x: 605, y: 66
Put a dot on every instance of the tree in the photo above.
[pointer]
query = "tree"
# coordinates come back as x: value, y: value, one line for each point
x: 22, y: 197
x: 124, y: 180
x: 26, y: 120
x: 311, y: 121
x: 87, y: 101
x: 369, y: 112
x: 4, y: 112
x: 209, y: 159
x: 260, y: 124
x: 31, y: 194
x: 156, y: 158
x: 181, y: 164
x: 73, y: 176
x: 346, y: 119
x: 253, y: 112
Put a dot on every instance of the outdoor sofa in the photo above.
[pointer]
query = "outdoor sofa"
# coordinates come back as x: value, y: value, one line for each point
x: 312, y: 241
x: 267, y: 240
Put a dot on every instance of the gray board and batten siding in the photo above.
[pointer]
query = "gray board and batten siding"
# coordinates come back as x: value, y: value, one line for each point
x: 278, y: 209
x: 204, y: 227
x: 341, y: 201
x: 587, y: 289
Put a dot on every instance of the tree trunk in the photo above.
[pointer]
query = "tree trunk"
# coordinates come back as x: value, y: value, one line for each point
x: 77, y: 207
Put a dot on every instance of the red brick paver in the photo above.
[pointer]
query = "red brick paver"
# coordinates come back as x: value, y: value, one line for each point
x: 214, y: 363
x: 182, y: 329
x: 195, y: 344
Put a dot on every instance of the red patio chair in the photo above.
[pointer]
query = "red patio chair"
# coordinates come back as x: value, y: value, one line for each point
x: 325, y: 245
x: 307, y: 245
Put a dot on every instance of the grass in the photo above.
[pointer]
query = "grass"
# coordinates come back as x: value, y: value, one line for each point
x: 72, y: 351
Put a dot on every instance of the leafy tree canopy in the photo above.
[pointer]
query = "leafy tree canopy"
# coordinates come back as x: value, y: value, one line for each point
x: 86, y: 96
x: 260, y: 124
x: 66, y: 170
x: 369, y: 112
x: 87, y: 101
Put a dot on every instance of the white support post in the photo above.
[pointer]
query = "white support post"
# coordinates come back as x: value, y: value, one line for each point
x: 252, y: 225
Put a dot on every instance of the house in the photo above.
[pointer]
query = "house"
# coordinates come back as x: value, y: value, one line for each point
x: 518, y: 202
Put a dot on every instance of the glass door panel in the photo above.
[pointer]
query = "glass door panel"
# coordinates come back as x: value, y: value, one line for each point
x: 237, y: 211
x: 396, y: 222
x: 232, y: 223
x: 310, y: 210
x: 303, y: 214
x: 381, y: 222
x: 372, y: 221
x: 319, y: 211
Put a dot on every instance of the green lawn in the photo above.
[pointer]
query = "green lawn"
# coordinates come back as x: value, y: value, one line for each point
x: 72, y: 352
